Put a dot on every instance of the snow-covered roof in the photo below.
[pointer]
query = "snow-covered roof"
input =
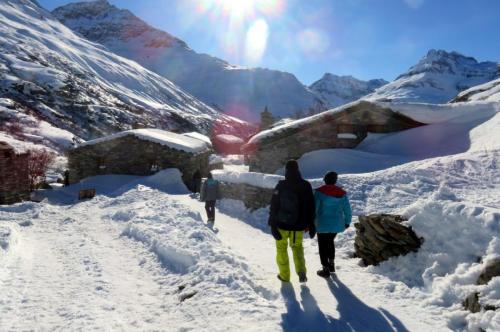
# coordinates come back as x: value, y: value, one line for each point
x: 230, y: 139
x: 421, y: 112
x: 199, y: 136
x: 166, y: 138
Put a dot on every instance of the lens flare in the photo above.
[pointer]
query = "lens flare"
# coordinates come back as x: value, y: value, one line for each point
x: 313, y: 41
x: 256, y: 41
x: 270, y: 7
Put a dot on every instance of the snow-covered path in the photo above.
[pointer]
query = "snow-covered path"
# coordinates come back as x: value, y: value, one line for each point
x: 352, y: 301
x: 77, y: 272
x: 139, y: 257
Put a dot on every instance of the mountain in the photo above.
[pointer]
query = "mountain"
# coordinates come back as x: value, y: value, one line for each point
x: 338, y: 90
x: 438, y: 78
x: 489, y: 91
x: 79, y: 86
x: 243, y: 92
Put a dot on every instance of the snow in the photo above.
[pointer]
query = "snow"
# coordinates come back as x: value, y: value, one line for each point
x: 421, y: 112
x: 172, y: 140
x: 238, y: 91
x: 229, y: 139
x: 296, y: 124
x: 139, y: 255
x: 339, y: 90
x: 437, y: 78
x: 199, y: 136
x: 489, y: 91
x: 18, y: 146
x: 70, y: 81
x: 260, y: 180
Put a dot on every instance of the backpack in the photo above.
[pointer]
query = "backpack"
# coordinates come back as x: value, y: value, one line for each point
x: 289, y: 208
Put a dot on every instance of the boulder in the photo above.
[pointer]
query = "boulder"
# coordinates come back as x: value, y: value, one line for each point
x: 471, y: 303
x: 381, y: 236
x: 491, y: 270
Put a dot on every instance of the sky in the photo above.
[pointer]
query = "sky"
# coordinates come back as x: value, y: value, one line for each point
x: 363, y: 38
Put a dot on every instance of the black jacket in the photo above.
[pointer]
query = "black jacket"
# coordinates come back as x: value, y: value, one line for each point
x: 294, y: 182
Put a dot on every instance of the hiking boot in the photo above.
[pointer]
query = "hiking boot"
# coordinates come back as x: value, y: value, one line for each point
x: 324, y: 272
x: 302, y: 277
x: 281, y: 279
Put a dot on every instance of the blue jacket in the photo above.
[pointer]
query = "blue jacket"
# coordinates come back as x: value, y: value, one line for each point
x: 333, y: 210
x: 210, y: 190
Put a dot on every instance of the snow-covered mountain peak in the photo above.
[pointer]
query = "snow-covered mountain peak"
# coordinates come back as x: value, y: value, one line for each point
x: 453, y: 63
x: 339, y: 90
x: 79, y: 86
x: 437, y: 78
x: 236, y: 90
x: 101, y: 21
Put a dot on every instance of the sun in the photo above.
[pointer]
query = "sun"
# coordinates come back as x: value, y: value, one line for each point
x: 238, y: 9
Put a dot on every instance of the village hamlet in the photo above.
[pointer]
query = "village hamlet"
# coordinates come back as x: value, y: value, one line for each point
x: 140, y: 152
x: 343, y: 127
x: 14, y: 180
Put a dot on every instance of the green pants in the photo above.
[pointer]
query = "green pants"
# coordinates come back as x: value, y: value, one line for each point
x: 295, y: 240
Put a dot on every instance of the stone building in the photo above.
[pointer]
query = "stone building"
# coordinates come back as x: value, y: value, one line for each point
x: 342, y: 127
x: 139, y: 152
x: 14, y: 180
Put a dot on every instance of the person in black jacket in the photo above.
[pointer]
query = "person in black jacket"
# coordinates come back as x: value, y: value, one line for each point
x: 292, y: 212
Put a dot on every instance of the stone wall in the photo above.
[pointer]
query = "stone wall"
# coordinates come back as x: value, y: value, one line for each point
x: 270, y: 154
x: 14, y: 181
x: 381, y: 236
x: 131, y: 155
x: 253, y: 197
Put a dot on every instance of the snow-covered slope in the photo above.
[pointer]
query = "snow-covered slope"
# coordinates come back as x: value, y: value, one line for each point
x: 243, y: 92
x: 82, y: 87
x: 438, y: 78
x: 339, y: 90
x: 488, y: 91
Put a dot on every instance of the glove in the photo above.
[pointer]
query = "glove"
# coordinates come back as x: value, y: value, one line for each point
x: 346, y: 226
x: 276, y: 234
x: 312, y: 232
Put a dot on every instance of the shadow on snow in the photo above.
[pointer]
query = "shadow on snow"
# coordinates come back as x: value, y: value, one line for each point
x: 354, y: 314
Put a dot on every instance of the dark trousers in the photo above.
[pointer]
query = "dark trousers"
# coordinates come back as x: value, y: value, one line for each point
x: 210, y: 208
x: 326, y: 247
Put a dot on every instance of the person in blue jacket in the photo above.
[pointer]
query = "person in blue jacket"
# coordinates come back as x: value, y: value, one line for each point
x: 333, y: 216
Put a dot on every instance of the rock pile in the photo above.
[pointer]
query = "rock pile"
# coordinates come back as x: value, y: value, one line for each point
x: 491, y: 270
x: 380, y: 236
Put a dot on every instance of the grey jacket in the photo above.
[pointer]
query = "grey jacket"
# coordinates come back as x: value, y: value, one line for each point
x: 210, y: 190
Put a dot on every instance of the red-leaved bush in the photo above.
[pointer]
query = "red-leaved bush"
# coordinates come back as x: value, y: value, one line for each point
x: 37, y: 163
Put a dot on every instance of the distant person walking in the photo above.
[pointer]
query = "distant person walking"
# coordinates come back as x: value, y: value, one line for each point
x: 196, y: 184
x: 209, y: 194
x: 333, y: 216
x: 291, y: 213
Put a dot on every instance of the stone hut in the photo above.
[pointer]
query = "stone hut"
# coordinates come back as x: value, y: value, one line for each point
x: 139, y: 152
x: 14, y: 180
x: 342, y: 127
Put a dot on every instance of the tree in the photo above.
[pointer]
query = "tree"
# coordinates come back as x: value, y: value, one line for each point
x: 37, y: 164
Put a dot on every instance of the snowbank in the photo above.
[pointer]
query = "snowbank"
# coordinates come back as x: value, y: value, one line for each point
x: 166, y: 138
x: 489, y: 91
x: 260, y: 180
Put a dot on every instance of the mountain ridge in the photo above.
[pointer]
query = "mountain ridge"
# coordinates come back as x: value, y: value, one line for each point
x: 81, y: 87
x: 438, y: 78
